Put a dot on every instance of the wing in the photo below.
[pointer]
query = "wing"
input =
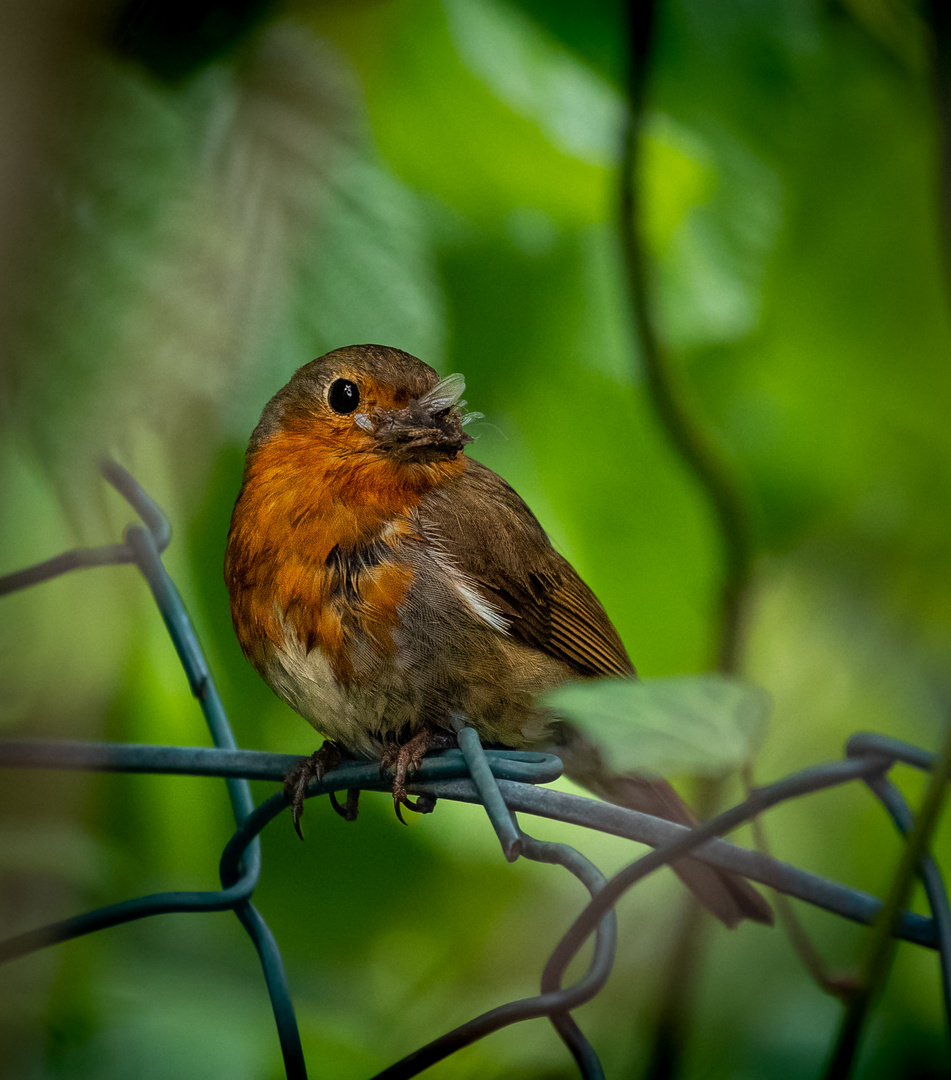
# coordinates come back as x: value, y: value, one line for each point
x: 496, y: 541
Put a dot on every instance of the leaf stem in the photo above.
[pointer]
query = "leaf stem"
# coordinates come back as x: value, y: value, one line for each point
x: 687, y: 435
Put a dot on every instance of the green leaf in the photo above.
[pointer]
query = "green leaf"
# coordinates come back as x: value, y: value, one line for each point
x: 705, y: 725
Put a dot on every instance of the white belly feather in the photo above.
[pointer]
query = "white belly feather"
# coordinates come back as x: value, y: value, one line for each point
x: 306, y: 682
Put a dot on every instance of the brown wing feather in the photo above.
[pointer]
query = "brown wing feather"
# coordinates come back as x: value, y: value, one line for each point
x: 510, y: 561
x: 512, y: 565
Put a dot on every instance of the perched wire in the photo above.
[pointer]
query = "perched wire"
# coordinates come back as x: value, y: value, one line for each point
x: 482, y: 777
x: 442, y: 776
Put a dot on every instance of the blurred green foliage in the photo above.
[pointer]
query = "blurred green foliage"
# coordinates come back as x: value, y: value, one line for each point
x: 199, y: 220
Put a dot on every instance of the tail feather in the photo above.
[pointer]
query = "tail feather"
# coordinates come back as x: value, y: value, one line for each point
x: 728, y: 896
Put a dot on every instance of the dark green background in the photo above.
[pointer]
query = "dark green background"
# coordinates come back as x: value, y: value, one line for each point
x: 196, y: 210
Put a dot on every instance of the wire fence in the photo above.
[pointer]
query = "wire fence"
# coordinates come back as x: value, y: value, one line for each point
x: 505, y: 783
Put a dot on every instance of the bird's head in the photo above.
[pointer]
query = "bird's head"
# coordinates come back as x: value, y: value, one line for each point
x: 364, y: 426
x: 370, y: 400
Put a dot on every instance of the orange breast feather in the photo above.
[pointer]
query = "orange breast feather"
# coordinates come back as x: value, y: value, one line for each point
x: 311, y: 551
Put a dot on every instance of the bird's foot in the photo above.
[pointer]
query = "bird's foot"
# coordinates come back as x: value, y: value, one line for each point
x: 316, y: 767
x: 404, y: 759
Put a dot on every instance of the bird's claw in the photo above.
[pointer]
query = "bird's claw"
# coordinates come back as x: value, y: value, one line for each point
x: 350, y: 808
x: 402, y: 760
x: 316, y: 767
x: 425, y: 804
x: 405, y: 759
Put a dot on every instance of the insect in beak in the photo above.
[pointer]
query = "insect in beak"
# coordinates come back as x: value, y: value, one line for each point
x: 428, y: 428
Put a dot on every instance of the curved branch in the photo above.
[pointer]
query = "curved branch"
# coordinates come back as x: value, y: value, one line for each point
x: 686, y: 433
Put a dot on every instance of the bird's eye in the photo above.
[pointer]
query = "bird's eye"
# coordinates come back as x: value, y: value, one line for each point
x: 343, y: 396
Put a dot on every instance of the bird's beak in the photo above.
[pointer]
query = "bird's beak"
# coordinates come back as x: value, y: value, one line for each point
x: 428, y: 428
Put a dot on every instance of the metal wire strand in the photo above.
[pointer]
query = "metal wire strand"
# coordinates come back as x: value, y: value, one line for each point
x: 514, y: 843
x: 106, y: 554
x: 479, y: 769
x: 142, y: 907
x: 900, y: 813
x: 814, y: 779
x: 275, y: 978
x: 552, y: 1002
x: 605, y: 949
x: 866, y: 744
x: 517, y: 772
x: 881, y: 945
x: 143, y: 546
x: 146, y: 544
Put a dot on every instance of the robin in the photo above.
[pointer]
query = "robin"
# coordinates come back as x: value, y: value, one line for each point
x: 381, y: 580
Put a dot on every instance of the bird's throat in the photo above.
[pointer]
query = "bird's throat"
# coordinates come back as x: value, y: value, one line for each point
x: 304, y: 529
